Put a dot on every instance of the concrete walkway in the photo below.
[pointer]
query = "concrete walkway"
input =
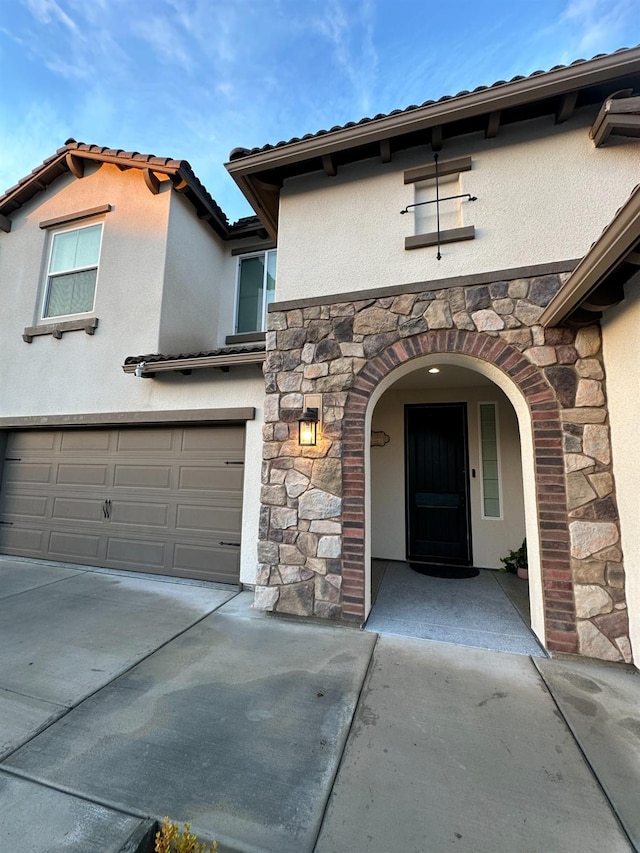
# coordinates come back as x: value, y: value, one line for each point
x: 124, y: 698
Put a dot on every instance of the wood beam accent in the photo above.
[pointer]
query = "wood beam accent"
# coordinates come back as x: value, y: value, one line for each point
x: 180, y: 185
x: 328, y: 164
x: 266, y: 185
x: 605, y: 296
x: 566, y: 107
x: 5, y: 224
x: 436, y: 138
x: 618, y: 114
x: 151, y: 180
x: 493, y: 124
x: 75, y: 165
x: 581, y: 318
x: 385, y: 150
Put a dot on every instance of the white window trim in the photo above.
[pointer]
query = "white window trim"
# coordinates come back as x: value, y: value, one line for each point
x: 47, y: 275
x: 498, y: 459
x: 265, y: 253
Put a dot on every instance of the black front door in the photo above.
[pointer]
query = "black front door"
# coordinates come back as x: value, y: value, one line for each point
x: 438, y: 528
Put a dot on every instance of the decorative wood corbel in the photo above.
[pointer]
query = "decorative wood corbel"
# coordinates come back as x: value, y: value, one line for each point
x: 75, y: 165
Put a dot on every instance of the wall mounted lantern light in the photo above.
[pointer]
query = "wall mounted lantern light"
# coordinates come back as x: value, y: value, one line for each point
x: 308, y: 428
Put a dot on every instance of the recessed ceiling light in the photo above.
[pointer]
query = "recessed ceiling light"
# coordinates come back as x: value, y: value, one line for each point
x: 434, y: 370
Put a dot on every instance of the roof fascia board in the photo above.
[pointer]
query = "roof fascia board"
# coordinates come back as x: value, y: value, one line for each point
x: 500, y: 97
x: 621, y: 235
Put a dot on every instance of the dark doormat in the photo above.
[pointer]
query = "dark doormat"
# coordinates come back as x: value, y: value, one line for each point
x: 442, y: 571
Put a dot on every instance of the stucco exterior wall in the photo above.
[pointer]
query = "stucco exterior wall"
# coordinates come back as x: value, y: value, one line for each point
x: 194, y: 278
x: 490, y: 538
x: 535, y: 184
x: 621, y: 346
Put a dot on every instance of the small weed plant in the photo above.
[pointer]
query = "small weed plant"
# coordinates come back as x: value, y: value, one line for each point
x: 170, y: 840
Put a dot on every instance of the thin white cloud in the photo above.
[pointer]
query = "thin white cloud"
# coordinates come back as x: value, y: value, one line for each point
x: 595, y: 26
x: 47, y: 11
x: 165, y: 41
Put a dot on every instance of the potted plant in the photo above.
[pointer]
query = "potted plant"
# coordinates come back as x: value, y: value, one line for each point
x: 516, y: 561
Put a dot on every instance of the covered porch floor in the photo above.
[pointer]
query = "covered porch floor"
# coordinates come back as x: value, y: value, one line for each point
x: 489, y: 611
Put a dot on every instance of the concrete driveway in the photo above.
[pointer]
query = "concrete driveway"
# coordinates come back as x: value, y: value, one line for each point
x: 125, y: 698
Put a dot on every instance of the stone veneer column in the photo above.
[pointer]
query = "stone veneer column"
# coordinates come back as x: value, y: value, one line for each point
x: 311, y: 547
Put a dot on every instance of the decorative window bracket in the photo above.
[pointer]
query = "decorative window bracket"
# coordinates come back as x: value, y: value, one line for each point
x: 56, y: 330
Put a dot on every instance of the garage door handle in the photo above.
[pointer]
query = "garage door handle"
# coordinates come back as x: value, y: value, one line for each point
x: 234, y: 463
x: 232, y: 544
x: 106, y: 509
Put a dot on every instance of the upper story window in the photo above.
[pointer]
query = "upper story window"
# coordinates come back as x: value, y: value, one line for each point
x: 255, y: 290
x: 72, y: 271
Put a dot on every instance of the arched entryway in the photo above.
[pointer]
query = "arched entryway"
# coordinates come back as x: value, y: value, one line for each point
x: 542, y: 462
x: 446, y: 498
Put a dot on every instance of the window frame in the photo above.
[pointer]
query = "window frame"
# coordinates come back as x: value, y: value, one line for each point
x: 256, y: 254
x: 49, y: 276
x: 483, y: 515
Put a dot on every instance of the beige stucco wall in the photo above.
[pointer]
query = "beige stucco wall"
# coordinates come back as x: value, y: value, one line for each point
x: 621, y: 350
x: 535, y: 184
x: 194, y: 279
x: 80, y: 373
x: 491, y: 538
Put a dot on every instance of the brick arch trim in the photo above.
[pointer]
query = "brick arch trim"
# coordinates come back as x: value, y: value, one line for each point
x: 551, y: 500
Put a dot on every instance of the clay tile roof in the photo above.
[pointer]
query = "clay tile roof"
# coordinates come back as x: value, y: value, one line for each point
x: 179, y: 170
x: 239, y: 153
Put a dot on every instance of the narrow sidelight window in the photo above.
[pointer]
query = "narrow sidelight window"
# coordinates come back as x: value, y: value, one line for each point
x: 491, y: 498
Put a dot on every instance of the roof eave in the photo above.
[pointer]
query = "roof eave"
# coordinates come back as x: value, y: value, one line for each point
x: 194, y: 363
x: 498, y: 97
x: 609, y: 250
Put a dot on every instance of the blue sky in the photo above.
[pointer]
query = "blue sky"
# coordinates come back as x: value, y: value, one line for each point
x: 192, y: 79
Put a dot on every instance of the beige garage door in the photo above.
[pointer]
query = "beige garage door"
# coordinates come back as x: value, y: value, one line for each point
x: 162, y: 500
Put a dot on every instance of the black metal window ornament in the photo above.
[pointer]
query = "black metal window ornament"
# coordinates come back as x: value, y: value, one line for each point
x: 437, y: 201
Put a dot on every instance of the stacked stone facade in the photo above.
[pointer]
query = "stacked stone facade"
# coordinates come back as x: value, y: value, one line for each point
x: 311, y: 547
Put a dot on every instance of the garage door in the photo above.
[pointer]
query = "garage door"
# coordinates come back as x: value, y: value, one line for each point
x: 162, y: 500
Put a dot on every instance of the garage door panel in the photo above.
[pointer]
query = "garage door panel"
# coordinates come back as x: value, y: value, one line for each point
x: 215, y: 519
x: 145, y: 441
x: 78, y: 509
x: 81, y: 474
x: 139, y: 514
x: 27, y: 473
x: 33, y: 441
x: 142, y: 476
x: 34, y: 506
x: 79, y: 546
x: 195, y: 560
x: 210, y: 478
x: 17, y: 540
x: 135, y: 554
x: 85, y: 441
x: 217, y: 440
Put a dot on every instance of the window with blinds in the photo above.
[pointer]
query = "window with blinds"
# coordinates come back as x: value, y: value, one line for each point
x: 72, y: 271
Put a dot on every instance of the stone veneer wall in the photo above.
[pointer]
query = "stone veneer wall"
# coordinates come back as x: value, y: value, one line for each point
x: 311, y: 538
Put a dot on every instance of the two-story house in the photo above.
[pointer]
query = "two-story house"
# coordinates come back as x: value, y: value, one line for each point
x: 461, y: 358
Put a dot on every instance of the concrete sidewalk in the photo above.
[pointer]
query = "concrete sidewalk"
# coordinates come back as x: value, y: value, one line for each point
x: 123, y: 699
